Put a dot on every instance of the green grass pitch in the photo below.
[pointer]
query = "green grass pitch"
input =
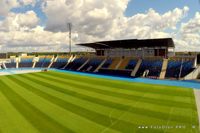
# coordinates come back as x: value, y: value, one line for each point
x: 54, y: 102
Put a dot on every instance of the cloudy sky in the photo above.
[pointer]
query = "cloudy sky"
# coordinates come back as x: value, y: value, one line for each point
x: 41, y: 25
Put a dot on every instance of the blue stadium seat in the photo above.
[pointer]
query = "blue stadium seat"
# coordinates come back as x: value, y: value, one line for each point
x: 107, y: 63
x: 154, y: 67
x: 60, y: 62
x: 92, y: 65
x: 76, y: 64
x: 174, y: 68
x: 12, y: 64
x: 131, y: 65
x: 26, y: 62
x: 43, y: 62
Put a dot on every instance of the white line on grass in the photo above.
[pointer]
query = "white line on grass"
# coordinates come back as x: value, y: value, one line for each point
x: 197, y: 98
x: 111, y: 115
x: 122, y: 115
x: 169, y: 118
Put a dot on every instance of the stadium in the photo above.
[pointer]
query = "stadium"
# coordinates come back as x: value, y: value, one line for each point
x: 99, y: 66
x: 138, y: 87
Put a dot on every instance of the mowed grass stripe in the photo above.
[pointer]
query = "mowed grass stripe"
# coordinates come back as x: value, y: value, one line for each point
x: 95, y: 117
x: 156, y: 89
x: 98, y: 89
x: 154, y: 131
x: 77, y: 101
x: 129, y: 117
x: 117, y: 102
x: 102, y: 101
x: 176, y: 90
x: 8, y: 123
x: 61, y: 115
x: 183, y: 112
x: 163, y: 109
x: 37, y: 118
x: 127, y: 93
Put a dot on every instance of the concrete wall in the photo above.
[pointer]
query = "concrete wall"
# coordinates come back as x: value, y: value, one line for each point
x: 129, y: 52
x: 193, y: 75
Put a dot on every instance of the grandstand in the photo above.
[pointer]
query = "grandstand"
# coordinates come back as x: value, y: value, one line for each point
x: 151, y: 58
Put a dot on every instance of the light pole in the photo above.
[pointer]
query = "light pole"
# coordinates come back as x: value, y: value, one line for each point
x: 70, y: 37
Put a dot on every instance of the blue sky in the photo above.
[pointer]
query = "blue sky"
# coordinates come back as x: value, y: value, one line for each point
x: 36, y: 8
x: 162, y: 6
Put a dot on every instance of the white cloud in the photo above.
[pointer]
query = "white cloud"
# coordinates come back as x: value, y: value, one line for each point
x: 35, y: 39
x: 100, y: 20
x: 93, y: 17
x: 189, y: 34
x: 19, y: 21
x: 92, y: 20
x: 6, y: 5
x: 27, y: 2
x: 192, y: 26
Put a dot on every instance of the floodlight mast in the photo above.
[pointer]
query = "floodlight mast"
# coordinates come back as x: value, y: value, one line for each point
x: 70, y: 37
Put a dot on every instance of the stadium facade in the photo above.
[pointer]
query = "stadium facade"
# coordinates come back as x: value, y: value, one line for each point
x: 134, y: 48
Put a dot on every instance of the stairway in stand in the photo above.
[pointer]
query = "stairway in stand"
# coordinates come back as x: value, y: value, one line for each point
x: 97, y: 69
x: 133, y: 73
x: 115, y: 63
x: 124, y: 63
x: 83, y: 64
x: 164, y: 69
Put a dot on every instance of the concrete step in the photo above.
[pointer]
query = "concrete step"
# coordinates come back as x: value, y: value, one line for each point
x: 115, y: 63
x: 133, y: 73
x: 97, y: 69
x: 124, y: 63
x: 164, y: 69
x: 83, y: 64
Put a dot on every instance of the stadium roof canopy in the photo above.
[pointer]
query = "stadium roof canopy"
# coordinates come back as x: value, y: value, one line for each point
x: 131, y: 43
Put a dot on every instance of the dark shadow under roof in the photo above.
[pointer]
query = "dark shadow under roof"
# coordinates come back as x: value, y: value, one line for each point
x: 131, y: 43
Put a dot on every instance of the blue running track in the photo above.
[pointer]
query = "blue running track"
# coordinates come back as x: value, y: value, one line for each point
x: 185, y: 84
